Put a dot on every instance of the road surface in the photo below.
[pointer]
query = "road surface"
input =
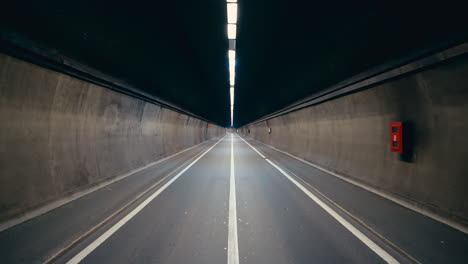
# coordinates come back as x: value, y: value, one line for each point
x: 232, y: 201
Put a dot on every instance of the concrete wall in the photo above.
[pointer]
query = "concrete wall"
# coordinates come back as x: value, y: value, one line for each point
x: 350, y: 135
x: 59, y: 134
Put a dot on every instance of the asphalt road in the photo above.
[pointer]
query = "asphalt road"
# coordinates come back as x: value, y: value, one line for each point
x: 232, y: 201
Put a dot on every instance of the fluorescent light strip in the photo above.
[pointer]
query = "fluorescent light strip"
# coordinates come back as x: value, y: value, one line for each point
x: 232, y: 65
x: 232, y: 77
x: 232, y: 61
x: 231, y: 28
x: 232, y: 34
x: 232, y: 13
x: 232, y: 95
x: 232, y: 54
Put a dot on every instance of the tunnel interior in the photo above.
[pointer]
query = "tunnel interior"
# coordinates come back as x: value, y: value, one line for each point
x: 177, y: 50
x: 233, y: 131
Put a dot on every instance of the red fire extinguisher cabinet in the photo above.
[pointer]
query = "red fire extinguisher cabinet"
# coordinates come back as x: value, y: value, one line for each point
x: 396, y: 137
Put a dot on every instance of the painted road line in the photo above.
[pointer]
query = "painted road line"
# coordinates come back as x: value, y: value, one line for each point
x: 398, y: 200
x: 233, y: 247
x: 261, y: 155
x: 53, y: 205
x: 91, y: 247
x: 367, y: 241
x: 137, y: 198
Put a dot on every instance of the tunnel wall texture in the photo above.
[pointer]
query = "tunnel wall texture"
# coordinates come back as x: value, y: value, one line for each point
x: 60, y: 134
x: 350, y: 135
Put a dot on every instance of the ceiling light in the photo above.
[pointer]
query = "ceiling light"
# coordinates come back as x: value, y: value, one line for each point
x: 232, y: 76
x: 231, y: 28
x: 232, y: 13
x: 232, y: 60
x: 232, y: 96
x: 232, y: 54
x: 232, y: 65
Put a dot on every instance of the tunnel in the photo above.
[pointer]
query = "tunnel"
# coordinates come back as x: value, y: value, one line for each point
x: 233, y: 131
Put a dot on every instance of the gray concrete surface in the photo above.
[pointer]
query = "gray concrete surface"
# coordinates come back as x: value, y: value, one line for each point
x: 59, y: 135
x: 187, y: 223
x: 277, y: 222
x: 350, y: 135
x: 41, y: 237
x: 424, y: 239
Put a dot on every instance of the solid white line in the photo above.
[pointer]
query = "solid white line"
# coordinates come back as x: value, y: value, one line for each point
x: 85, y: 252
x: 367, y: 241
x: 53, y: 205
x: 233, y: 248
x: 399, y: 200
x: 261, y: 155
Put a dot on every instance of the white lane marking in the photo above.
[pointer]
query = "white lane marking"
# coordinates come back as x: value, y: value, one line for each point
x: 367, y: 241
x: 53, y: 205
x: 405, y: 203
x: 85, y: 252
x: 233, y: 248
x: 261, y: 155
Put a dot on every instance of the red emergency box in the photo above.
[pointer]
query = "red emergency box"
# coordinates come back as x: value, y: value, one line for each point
x: 396, y: 137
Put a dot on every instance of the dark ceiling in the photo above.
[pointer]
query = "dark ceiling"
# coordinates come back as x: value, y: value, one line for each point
x: 176, y: 50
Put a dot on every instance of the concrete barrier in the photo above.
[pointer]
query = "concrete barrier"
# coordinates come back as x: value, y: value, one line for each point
x: 60, y: 134
x: 350, y: 135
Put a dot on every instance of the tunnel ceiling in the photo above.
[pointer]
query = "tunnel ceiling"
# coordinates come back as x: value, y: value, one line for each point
x: 177, y: 50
